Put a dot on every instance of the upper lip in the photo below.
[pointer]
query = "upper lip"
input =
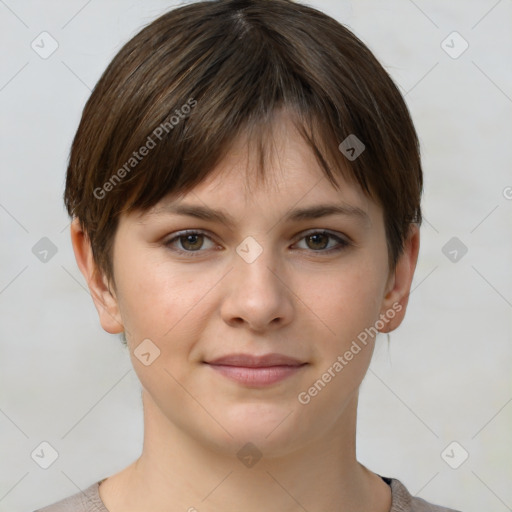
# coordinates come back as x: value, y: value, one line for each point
x: 252, y: 361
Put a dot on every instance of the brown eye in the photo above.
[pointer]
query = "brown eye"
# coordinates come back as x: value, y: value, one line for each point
x: 322, y: 242
x: 192, y: 242
x: 317, y: 241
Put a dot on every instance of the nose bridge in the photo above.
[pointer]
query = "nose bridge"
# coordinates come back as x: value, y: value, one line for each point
x: 257, y: 296
x: 253, y: 263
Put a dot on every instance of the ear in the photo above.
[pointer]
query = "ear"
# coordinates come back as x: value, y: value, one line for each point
x: 399, y: 282
x: 104, y: 300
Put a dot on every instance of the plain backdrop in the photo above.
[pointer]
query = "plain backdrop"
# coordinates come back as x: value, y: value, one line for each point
x: 446, y: 376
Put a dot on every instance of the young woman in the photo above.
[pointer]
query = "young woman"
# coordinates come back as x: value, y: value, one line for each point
x: 245, y: 191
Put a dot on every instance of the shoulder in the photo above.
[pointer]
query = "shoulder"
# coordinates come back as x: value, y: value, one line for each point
x: 402, y: 501
x: 87, y: 500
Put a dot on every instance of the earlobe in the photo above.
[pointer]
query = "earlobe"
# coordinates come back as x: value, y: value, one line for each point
x: 398, y: 288
x: 104, y: 300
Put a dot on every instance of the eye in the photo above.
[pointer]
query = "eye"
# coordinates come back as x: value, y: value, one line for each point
x: 318, y: 241
x: 189, y: 242
x: 193, y: 242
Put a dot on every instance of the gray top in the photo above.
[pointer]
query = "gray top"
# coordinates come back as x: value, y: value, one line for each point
x: 89, y: 501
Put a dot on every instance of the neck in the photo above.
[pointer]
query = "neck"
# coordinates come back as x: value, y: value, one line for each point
x: 176, y: 470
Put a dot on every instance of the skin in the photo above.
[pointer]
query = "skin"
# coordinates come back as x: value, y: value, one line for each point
x: 295, y: 298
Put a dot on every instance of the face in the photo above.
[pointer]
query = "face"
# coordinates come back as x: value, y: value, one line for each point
x: 255, y: 319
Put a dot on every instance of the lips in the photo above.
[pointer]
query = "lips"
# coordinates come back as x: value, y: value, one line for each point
x: 256, y: 371
x: 250, y: 361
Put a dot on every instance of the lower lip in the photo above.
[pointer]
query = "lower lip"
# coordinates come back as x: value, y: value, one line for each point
x: 256, y: 377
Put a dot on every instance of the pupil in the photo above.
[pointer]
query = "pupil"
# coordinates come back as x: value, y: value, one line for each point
x: 315, y: 240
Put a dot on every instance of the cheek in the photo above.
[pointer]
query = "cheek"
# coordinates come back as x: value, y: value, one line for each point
x: 348, y: 306
x: 162, y: 302
x: 346, y: 301
x: 143, y: 298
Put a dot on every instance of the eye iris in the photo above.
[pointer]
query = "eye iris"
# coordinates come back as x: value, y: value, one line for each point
x: 315, y: 238
x: 191, y: 242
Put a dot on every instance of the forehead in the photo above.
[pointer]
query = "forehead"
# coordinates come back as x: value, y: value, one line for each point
x: 291, y: 175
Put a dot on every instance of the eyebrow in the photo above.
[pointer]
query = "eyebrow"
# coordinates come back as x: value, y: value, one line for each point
x: 299, y: 214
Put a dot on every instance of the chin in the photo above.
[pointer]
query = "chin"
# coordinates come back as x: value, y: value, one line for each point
x: 273, y: 429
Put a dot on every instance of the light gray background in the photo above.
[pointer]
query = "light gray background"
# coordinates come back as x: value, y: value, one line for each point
x: 446, y: 376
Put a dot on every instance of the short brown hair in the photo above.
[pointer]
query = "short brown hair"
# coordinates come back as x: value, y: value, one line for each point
x: 191, y: 81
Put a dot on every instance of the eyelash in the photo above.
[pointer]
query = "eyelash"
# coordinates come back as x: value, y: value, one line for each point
x: 343, y: 244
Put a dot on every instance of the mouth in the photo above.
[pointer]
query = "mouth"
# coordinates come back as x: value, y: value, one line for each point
x: 256, y: 371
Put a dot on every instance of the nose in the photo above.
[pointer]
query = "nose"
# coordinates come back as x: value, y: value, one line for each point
x: 257, y: 294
